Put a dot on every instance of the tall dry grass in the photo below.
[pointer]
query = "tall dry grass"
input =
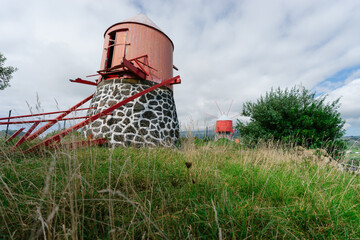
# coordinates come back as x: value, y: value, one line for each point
x: 211, y: 191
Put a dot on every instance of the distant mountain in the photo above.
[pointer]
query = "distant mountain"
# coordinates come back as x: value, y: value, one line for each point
x: 353, y: 141
x: 198, y: 133
x: 202, y: 133
x: 353, y: 138
x: 210, y: 133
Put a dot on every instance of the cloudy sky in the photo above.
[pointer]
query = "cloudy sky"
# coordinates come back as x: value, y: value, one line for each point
x: 226, y: 50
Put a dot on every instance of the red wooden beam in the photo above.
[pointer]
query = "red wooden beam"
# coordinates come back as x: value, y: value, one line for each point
x: 110, y: 69
x: 93, y: 75
x: 145, y: 58
x: 58, y: 136
x: 14, y: 135
x: 79, y: 80
x: 142, y: 69
x: 146, y: 64
x: 22, y: 139
x: 137, y: 58
x: 140, y: 72
x: 41, y: 114
x: 43, y: 120
x: 134, y: 69
x: 61, y: 116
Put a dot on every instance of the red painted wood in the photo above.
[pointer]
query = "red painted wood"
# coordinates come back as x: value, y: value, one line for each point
x: 41, y: 114
x: 61, y: 116
x: 57, y: 137
x: 15, y: 134
x: 22, y: 139
x: 79, y: 80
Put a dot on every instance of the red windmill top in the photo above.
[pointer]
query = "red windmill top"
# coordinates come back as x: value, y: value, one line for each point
x: 136, y: 47
x: 224, y: 124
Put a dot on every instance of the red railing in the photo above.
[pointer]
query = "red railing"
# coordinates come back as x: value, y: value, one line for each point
x: 88, y: 119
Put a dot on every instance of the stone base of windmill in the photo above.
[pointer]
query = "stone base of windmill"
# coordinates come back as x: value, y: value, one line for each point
x: 149, y: 120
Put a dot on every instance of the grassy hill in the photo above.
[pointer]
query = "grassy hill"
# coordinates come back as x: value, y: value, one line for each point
x: 353, y: 151
x: 214, y: 191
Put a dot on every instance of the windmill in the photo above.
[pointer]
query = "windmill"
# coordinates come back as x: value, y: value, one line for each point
x: 224, y: 124
x: 133, y: 103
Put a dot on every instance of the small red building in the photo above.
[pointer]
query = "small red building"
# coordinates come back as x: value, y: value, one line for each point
x: 224, y: 127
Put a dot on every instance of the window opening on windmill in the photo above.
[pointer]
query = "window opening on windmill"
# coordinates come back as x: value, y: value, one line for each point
x: 116, y: 49
x: 110, y: 49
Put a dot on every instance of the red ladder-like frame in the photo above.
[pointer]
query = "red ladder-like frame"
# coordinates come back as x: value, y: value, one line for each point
x: 88, y: 119
x: 59, y: 136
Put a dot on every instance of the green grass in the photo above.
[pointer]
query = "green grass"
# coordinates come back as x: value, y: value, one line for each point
x: 228, y: 192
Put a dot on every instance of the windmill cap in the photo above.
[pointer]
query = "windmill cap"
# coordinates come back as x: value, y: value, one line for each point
x: 143, y: 20
x: 224, y: 118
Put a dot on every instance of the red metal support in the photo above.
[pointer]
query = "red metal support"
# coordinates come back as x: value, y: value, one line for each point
x: 142, y: 56
x: 41, y: 114
x: 110, y: 69
x: 134, y: 69
x: 146, y: 64
x: 79, y: 80
x: 61, y: 116
x: 138, y: 71
x: 176, y: 81
x: 14, y: 135
x: 141, y: 67
x: 93, y: 75
x: 23, y: 138
x: 59, y: 136
x: 43, y: 120
x: 137, y: 60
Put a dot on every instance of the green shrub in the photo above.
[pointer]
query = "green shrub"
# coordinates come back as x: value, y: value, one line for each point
x: 294, y: 116
x: 5, y: 73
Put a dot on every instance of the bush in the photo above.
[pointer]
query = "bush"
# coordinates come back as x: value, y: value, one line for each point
x: 295, y: 116
x: 5, y: 73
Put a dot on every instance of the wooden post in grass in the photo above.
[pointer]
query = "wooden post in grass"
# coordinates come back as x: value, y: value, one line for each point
x: 7, y: 126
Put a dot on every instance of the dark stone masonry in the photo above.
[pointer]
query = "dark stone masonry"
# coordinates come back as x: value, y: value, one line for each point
x: 149, y: 120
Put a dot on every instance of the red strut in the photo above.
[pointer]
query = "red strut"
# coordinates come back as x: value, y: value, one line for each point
x: 57, y: 137
x: 61, y: 116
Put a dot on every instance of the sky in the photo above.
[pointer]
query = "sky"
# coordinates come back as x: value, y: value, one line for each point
x: 227, y: 51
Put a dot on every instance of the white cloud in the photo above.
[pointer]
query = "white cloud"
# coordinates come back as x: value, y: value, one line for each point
x: 350, y: 99
x: 350, y: 107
